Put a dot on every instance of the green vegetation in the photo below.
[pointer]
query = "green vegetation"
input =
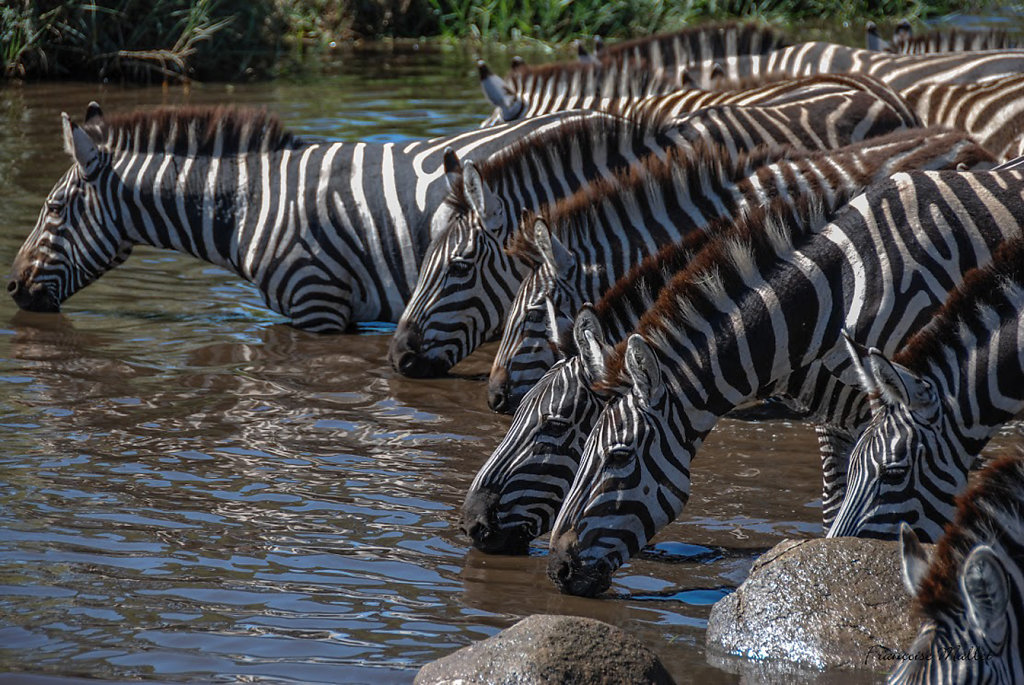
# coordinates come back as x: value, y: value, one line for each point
x: 178, y: 40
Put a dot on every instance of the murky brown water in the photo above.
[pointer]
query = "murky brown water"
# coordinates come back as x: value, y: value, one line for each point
x: 190, y: 490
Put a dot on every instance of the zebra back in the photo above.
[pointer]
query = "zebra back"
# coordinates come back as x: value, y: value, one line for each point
x: 991, y: 112
x: 953, y: 40
x: 940, y: 399
x: 969, y: 592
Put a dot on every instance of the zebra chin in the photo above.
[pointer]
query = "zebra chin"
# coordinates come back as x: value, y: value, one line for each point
x: 33, y: 298
x: 479, y: 522
x: 571, y: 575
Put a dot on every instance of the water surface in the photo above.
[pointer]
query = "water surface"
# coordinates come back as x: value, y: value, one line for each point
x: 191, y: 490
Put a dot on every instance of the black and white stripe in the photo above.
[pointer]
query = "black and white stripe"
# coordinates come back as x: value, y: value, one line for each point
x: 940, y: 399
x: 597, y: 237
x: 752, y: 322
x: 330, y: 233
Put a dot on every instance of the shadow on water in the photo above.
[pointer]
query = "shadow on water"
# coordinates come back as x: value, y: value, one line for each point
x: 191, y: 490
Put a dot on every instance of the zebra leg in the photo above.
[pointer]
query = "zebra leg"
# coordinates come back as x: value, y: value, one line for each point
x: 835, y: 445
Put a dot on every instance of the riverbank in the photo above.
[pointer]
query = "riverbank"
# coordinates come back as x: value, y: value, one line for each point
x: 239, y: 40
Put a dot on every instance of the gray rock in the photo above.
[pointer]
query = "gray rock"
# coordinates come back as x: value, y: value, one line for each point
x: 550, y: 649
x: 824, y: 603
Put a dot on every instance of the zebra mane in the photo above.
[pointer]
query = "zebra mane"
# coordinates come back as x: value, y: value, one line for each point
x: 724, y: 264
x: 749, y: 39
x: 981, y: 287
x: 169, y: 130
x: 990, y: 512
x: 553, y: 147
x: 955, y: 40
x: 696, y: 164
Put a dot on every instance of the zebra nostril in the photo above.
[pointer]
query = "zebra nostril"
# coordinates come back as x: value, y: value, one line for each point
x: 13, y: 287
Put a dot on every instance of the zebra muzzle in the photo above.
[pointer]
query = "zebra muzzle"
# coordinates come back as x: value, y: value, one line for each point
x: 34, y: 298
x: 479, y: 522
x: 405, y: 353
x: 568, y: 571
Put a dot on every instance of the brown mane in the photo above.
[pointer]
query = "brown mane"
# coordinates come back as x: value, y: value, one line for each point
x: 998, y: 489
x: 167, y: 130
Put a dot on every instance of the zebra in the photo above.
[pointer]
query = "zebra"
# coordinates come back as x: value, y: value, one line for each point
x: 599, y: 233
x: 517, y: 492
x: 762, y: 317
x: 951, y: 40
x: 969, y: 594
x: 941, y: 398
x: 991, y: 112
x: 330, y: 233
x: 467, y: 280
x: 458, y: 303
x: 645, y: 66
x: 896, y: 71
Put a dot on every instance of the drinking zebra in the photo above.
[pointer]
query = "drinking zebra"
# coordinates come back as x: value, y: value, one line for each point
x: 330, y: 233
x: 516, y: 494
x: 969, y: 594
x: 941, y: 398
x: 765, y: 317
x: 459, y: 303
x: 598, y: 234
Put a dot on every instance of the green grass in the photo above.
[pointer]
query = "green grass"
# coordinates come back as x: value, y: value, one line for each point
x: 178, y: 40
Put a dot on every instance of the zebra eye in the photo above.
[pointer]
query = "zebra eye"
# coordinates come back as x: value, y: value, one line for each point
x: 556, y: 424
x: 460, y: 266
x: 54, y: 207
x: 535, y: 315
x: 619, y: 456
x: 894, y: 474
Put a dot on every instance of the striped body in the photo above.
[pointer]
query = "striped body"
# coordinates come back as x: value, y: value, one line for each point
x: 750, y: 324
x: 970, y: 594
x: 897, y: 71
x: 467, y: 278
x: 460, y: 302
x: 330, y: 233
x: 953, y: 40
x: 991, y: 112
x: 643, y: 67
x: 940, y: 400
x: 609, y: 227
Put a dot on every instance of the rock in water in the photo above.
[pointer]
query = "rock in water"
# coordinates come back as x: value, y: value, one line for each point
x: 550, y: 649
x: 825, y: 603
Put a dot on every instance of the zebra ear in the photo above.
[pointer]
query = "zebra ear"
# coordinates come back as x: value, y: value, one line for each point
x: 517, y: 63
x: 986, y: 593
x: 499, y: 93
x: 590, y: 341
x: 555, y: 256
x: 452, y: 168
x: 642, y: 366
x: 914, y: 560
x: 479, y: 194
x: 93, y: 114
x: 897, y: 384
x: 717, y: 74
x: 80, y: 146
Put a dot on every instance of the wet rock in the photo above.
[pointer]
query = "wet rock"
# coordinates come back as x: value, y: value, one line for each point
x: 825, y: 603
x: 550, y: 649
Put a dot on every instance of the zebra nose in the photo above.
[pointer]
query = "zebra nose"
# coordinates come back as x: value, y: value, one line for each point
x: 570, y: 574
x: 498, y: 396
x: 479, y: 522
x: 34, y: 298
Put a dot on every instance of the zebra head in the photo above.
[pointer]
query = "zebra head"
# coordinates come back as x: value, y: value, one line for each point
x: 974, y: 636
x: 633, y: 480
x: 516, y: 494
x: 538, y: 319
x: 77, y: 237
x: 904, y: 467
x: 466, y: 281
